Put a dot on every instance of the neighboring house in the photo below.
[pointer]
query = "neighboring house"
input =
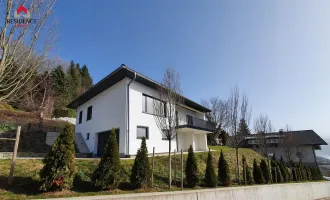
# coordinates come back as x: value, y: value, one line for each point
x: 123, y: 100
x: 295, y: 144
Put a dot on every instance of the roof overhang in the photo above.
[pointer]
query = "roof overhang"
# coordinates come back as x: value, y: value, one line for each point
x: 118, y: 75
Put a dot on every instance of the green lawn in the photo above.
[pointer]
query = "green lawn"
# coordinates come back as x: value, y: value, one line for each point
x: 26, y: 179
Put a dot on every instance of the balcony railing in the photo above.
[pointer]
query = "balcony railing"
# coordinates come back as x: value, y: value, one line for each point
x: 195, y: 122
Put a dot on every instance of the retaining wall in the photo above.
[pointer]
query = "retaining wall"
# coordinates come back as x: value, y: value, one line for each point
x: 290, y: 191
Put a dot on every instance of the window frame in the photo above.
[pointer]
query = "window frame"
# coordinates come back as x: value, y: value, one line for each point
x: 145, y: 106
x: 80, y: 117
x: 147, y: 132
x: 89, y: 115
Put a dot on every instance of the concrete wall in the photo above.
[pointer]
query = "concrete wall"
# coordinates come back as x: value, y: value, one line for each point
x: 291, y: 191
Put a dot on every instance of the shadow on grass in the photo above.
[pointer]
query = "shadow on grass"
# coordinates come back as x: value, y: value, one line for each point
x: 21, y: 185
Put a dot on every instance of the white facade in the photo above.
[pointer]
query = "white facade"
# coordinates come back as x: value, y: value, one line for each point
x: 109, y: 110
x: 306, y: 152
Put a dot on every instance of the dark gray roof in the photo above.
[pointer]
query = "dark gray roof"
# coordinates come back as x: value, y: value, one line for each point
x: 116, y: 76
x: 302, y: 137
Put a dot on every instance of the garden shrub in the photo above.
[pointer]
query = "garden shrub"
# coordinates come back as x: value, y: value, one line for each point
x: 59, y: 169
x: 107, y: 174
x: 191, y: 168
x: 210, y: 178
x: 141, y: 171
x: 265, y: 170
x: 223, y: 171
x: 257, y: 173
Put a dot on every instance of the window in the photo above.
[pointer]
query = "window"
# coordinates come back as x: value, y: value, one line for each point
x: 87, y: 136
x: 80, y: 117
x: 89, y: 113
x: 189, y: 120
x: 164, y: 134
x: 141, y: 132
x: 153, y: 106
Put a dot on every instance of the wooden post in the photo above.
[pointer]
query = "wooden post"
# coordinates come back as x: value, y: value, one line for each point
x: 275, y: 174
x: 244, y: 168
x: 181, y: 170
x: 11, y: 174
x: 174, y: 167
x: 153, y: 167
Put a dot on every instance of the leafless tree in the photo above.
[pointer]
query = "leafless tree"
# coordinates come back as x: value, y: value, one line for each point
x: 19, y: 57
x: 289, y: 143
x: 166, y: 117
x: 218, y: 114
x: 238, y: 109
x: 262, y: 127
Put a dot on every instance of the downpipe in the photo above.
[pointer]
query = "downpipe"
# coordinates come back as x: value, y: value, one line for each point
x: 127, y: 100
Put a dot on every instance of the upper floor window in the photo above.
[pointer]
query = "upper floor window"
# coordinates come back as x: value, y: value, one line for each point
x: 153, y: 106
x: 87, y: 136
x: 89, y: 113
x: 80, y: 116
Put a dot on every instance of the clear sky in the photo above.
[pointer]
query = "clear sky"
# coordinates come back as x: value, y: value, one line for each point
x: 278, y: 52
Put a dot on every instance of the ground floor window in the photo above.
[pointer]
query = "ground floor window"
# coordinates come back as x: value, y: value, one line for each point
x: 142, y: 131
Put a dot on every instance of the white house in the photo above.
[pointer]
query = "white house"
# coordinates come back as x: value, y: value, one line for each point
x: 123, y: 100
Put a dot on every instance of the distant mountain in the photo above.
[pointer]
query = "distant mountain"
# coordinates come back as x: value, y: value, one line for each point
x: 322, y: 160
x: 325, y: 152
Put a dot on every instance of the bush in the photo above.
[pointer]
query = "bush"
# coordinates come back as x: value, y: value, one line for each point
x: 223, y: 171
x: 71, y: 113
x: 223, y: 136
x: 59, y: 169
x: 246, y: 169
x: 210, y: 176
x: 265, y: 171
x: 141, y: 173
x: 276, y: 172
x: 191, y: 168
x: 107, y: 174
x: 284, y: 172
x: 257, y: 173
x: 67, y: 112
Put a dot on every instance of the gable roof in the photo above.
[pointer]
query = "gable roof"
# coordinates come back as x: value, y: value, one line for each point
x: 302, y: 137
x: 116, y: 76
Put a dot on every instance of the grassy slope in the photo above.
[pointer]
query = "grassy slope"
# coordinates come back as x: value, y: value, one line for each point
x: 26, y: 175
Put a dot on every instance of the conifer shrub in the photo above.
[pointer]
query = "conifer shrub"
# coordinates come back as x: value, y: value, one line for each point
x: 141, y: 172
x: 59, y: 167
x: 223, y: 171
x: 246, y: 172
x: 265, y: 170
x: 108, y: 174
x: 284, y: 172
x: 257, y: 173
x: 191, y: 168
x: 276, y: 172
x: 210, y: 178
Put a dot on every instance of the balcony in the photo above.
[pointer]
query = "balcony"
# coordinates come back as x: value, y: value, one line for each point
x: 196, y: 123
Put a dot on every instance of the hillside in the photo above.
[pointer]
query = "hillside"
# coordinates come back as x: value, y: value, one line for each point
x: 27, y: 176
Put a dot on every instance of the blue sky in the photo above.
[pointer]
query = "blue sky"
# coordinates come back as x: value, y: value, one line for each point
x: 278, y: 52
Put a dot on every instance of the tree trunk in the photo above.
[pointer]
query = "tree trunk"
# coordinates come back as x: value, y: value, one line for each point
x: 169, y: 164
x: 237, y: 166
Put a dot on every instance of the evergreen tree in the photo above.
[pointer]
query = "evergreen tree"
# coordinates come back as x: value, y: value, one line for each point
x: 294, y: 172
x: 223, y: 171
x: 191, y: 168
x: 107, y: 174
x: 284, y: 172
x: 308, y: 173
x: 276, y: 172
x: 243, y: 128
x: 61, y: 83
x: 265, y: 170
x: 257, y: 173
x: 210, y: 176
x: 59, y: 168
x: 141, y: 173
x: 75, y: 79
x: 246, y: 169
x: 223, y: 136
x: 87, y: 81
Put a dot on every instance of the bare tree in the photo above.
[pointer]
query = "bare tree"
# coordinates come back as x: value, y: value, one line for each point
x: 218, y: 114
x: 165, y: 112
x: 289, y: 143
x: 19, y: 57
x: 238, y: 109
x: 262, y: 127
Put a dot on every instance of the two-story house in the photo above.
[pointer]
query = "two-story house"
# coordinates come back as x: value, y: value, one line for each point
x: 123, y: 100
